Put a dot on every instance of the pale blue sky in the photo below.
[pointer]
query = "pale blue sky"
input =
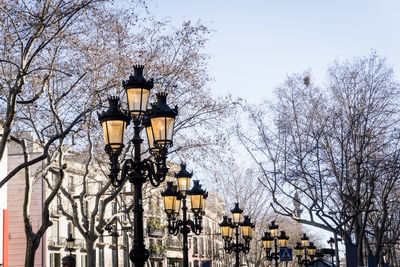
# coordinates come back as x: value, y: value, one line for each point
x: 257, y: 43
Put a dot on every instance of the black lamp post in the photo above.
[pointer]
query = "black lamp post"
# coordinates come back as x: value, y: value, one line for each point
x: 272, y: 240
x: 230, y: 232
x: 70, y: 244
x: 159, y: 124
x: 331, y: 243
x: 176, y: 262
x: 174, y: 196
x: 305, y: 251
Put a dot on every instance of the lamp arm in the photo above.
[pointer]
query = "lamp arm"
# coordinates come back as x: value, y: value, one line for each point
x: 173, y: 226
x: 246, y: 247
x: 228, y: 246
x: 195, y: 226
x: 115, y: 179
x: 155, y: 172
x: 161, y: 159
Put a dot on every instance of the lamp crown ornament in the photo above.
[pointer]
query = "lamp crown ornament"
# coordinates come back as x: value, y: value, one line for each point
x: 137, y: 80
x: 161, y: 108
x: 273, y: 226
x: 196, y: 189
x: 246, y: 221
x: 170, y: 190
x: 236, y: 209
x: 183, y: 172
x: 304, y: 237
x: 114, y: 111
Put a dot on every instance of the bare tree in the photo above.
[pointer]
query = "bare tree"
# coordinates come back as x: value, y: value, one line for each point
x: 31, y: 33
x: 59, y: 60
x: 328, y: 150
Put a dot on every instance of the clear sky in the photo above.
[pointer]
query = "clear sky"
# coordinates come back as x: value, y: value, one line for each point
x: 257, y: 43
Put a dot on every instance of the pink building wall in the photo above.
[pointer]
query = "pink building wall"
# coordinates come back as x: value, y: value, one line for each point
x: 15, y: 199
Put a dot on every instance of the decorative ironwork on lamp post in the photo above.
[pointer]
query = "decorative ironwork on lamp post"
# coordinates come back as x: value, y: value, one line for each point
x: 159, y: 123
x: 230, y: 232
x: 272, y: 240
x: 305, y: 251
x: 174, y: 197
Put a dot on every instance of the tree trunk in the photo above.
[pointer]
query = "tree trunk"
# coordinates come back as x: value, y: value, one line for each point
x: 91, y: 253
x: 32, y: 244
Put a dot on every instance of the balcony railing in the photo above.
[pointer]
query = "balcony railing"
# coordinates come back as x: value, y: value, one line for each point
x: 55, y: 212
x: 153, y: 231
x: 57, y: 242
x: 80, y: 243
x: 174, y: 243
x: 157, y: 255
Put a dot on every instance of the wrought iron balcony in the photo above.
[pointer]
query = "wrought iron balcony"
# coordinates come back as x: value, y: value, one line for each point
x: 157, y: 255
x: 156, y: 232
x: 57, y: 242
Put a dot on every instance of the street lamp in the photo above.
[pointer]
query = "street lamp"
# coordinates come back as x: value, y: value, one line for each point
x: 272, y: 239
x: 230, y: 231
x: 175, y: 200
x: 331, y: 243
x: 176, y: 262
x: 159, y: 123
x: 305, y: 251
x: 70, y: 244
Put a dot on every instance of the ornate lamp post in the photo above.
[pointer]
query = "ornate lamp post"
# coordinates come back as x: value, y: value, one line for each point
x: 305, y: 251
x: 159, y: 124
x: 174, y: 197
x: 272, y: 240
x: 70, y: 244
x: 230, y: 232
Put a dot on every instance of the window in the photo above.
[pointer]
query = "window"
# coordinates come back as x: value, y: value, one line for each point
x: 101, y: 257
x: 114, y: 257
x: 55, y: 259
x: 126, y: 250
x: 71, y: 187
x: 99, y: 186
x: 71, y: 229
x: 152, y: 245
x: 196, y: 263
x: 113, y: 208
x: 201, y: 246
x: 83, y: 260
x: 209, y: 248
x: 114, y: 252
x: 150, y: 205
x: 195, y: 248
x: 55, y: 231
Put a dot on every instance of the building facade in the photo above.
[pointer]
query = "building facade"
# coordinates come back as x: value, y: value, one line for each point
x: 82, y: 185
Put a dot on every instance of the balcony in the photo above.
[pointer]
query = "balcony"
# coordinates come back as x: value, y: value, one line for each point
x: 80, y: 243
x: 174, y: 243
x: 157, y: 255
x: 156, y: 232
x: 55, y: 212
x: 57, y: 242
x: 126, y: 225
